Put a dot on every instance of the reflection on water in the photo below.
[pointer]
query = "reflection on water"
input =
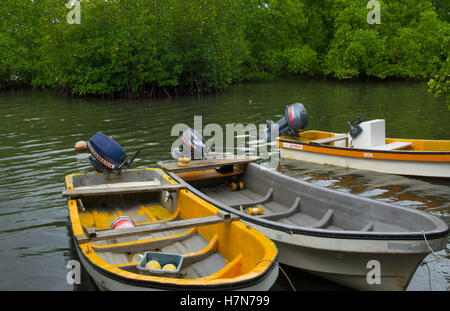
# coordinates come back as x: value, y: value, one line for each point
x: 430, y: 195
x: 406, y: 191
x: 39, y: 129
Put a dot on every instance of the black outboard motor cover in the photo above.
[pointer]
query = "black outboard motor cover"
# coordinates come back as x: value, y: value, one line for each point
x: 106, y: 154
x: 295, y: 119
x: 193, y: 146
x: 355, y: 129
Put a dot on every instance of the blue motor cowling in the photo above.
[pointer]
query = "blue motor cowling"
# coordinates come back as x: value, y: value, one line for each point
x: 106, y: 154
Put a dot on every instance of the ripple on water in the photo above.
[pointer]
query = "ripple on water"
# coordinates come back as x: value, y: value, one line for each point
x: 36, y: 154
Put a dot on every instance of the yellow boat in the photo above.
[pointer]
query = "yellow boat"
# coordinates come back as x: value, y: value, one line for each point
x: 370, y: 150
x: 329, y: 233
x: 215, y: 250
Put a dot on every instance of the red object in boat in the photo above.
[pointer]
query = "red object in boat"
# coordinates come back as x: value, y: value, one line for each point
x: 122, y: 222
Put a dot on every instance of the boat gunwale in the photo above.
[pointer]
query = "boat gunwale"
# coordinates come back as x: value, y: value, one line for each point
x: 440, y: 231
x: 406, y: 152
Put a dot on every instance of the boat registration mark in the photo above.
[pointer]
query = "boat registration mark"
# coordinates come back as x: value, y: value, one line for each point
x: 293, y: 146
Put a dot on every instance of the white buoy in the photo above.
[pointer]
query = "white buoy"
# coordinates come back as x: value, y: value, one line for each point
x: 80, y: 145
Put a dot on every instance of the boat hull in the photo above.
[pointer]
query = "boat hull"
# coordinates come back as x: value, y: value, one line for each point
x: 365, y: 160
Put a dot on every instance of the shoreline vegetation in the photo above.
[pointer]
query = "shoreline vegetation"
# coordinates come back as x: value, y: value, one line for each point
x: 164, y: 48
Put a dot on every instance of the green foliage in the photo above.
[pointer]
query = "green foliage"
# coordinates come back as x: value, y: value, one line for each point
x: 406, y: 44
x: 126, y: 47
x: 165, y: 47
x: 440, y: 85
x: 22, y: 24
x: 281, y: 36
x: 333, y: 38
x: 301, y: 59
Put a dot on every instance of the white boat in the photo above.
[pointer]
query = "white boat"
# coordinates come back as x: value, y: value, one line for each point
x: 357, y: 242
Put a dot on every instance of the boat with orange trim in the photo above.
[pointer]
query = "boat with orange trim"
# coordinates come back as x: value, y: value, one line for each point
x: 163, y: 218
x: 364, y: 147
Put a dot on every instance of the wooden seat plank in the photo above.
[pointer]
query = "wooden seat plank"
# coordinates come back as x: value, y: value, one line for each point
x: 392, y: 146
x: 158, y: 227
x: 89, y: 192
x: 172, y: 166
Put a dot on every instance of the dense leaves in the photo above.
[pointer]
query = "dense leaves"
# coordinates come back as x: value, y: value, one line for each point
x: 166, y: 47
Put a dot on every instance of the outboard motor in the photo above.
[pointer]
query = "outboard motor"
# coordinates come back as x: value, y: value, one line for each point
x: 193, y: 146
x: 355, y: 129
x: 107, y: 156
x: 295, y: 119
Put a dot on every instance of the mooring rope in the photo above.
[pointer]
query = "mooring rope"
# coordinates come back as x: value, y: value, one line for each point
x: 285, y: 274
x: 434, y: 253
x: 424, y: 263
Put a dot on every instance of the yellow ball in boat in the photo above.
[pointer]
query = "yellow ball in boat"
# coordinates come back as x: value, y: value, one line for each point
x: 255, y: 211
x: 153, y: 264
x: 184, y: 161
x: 169, y: 267
x: 237, y: 186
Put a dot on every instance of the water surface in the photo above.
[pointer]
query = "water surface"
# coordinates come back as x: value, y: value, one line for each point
x: 39, y: 129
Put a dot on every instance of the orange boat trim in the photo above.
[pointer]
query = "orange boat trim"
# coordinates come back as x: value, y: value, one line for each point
x: 427, y: 156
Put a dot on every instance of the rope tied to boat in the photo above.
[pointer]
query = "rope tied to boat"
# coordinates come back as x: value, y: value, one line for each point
x: 434, y: 253
x: 425, y: 263
x: 285, y: 274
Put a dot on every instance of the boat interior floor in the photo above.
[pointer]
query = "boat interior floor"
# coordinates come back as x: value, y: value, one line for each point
x: 296, y: 217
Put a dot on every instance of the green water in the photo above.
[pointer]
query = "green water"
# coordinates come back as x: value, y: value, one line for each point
x: 38, y: 130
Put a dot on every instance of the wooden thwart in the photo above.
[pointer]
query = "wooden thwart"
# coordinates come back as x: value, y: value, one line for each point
x: 81, y: 193
x: 172, y: 166
x: 221, y: 217
x: 208, y: 174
